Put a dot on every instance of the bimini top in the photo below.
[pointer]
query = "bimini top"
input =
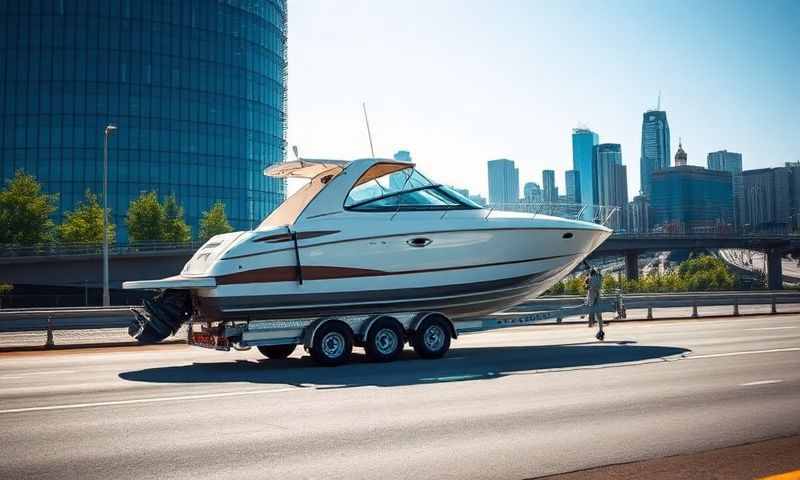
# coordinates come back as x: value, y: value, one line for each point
x: 303, y: 168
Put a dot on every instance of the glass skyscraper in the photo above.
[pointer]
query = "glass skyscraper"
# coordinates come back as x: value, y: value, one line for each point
x: 549, y: 189
x: 731, y: 162
x: 583, y: 142
x: 692, y: 199
x: 196, y: 88
x: 611, y: 181
x: 655, y: 147
x: 503, y: 182
x: 572, y: 179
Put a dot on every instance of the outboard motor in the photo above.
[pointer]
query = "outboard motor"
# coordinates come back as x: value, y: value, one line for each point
x: 161, y: 317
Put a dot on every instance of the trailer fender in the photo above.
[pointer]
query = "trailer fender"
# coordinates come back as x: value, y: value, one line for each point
x: 415, y: 323
x: 311, y: 330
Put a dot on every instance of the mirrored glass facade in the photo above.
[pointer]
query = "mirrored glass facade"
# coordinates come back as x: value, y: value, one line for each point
x: 197, y: 89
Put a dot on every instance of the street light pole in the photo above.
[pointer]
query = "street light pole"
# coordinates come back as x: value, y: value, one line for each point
x: 106, y: 296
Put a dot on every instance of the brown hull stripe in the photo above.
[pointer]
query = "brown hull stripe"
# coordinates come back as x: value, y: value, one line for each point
x: 285, y: 237
x: 289, y: 273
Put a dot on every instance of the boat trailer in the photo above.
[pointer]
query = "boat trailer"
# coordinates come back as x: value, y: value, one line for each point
x: 329, y: 340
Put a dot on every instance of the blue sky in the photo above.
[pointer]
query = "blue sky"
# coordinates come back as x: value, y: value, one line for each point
x: 461, y: 82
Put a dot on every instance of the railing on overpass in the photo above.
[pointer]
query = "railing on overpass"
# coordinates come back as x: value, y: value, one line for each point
x: 68, y: 249
x: 50, y: 320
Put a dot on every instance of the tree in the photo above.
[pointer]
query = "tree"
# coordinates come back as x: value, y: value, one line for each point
x: 25, y: 211
x: 145, y: 218
x: 214, y: 222
x: 85, y: 223
x: 175, y: 228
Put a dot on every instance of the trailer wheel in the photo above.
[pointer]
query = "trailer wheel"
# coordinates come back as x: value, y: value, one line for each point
x: 276, y: 352
x: 333, y: 344
x: 432, y: 337
x: 385, y: 340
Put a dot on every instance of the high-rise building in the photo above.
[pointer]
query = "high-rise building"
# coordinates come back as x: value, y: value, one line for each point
x: 611, y: 181
x: 639, y: 215
x: 655, y: 146
x: 794, y: 169
x: 532, y: 193
x: 196, y: 89
x: 725, y: 161
x: 503, y: 182
x: 731, y: 162
x: 402, y: 156
x: 692, y: 199
x: 549, y: 189
x: 767, y: 199
x: 572, y: 179
x: 583, y: 142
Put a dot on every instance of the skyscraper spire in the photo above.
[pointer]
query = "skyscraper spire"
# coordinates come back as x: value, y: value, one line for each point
x: 658, y: 105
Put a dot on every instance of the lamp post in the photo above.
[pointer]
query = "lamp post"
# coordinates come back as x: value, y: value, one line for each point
x: 106, y: 297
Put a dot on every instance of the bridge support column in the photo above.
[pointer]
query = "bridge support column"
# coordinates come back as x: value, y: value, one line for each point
x: 632, y: 265
x: 774, y: 269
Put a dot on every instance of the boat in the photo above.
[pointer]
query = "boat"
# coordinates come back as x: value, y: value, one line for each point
x: 365, y: 237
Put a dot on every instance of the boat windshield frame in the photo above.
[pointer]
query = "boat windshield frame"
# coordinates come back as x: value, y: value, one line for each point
x: 457, y: 203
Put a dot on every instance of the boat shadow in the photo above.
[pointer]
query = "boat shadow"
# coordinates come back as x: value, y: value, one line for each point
x: 461, y: 364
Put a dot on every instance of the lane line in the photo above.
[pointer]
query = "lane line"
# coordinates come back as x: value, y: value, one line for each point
x: 30, y: 374
x: 748, y: 352
x: 760, y: 382
x: 767, y: 328
x: 147, y: 400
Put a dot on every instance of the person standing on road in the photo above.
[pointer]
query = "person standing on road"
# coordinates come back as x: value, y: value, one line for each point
x: 593, y: 285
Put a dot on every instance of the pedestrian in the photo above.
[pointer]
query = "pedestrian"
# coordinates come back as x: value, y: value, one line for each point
x: 593, y: 285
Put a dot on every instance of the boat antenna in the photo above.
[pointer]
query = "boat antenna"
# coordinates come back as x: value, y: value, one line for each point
x: 296, y: 152
x: 369, y: 134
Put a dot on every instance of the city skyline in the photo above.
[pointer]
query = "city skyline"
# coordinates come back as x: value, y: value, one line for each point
x: 470, y: 108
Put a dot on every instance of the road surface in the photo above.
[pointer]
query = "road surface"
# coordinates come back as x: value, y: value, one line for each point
x: 517, y: 403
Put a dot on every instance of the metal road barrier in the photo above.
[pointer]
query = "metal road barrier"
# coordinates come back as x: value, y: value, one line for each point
x: 85, y: 318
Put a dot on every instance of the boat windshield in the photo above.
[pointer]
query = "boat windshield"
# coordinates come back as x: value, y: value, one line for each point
x: 404, y: 189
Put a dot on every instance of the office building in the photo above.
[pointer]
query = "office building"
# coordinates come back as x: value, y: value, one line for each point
x: 503, y: 182
x: 532, y: 193
x: 572, y: 181
x: 768, y: 199
x: 583, y: 142
x: 549, y: 189
x: 638, y: 215
x: 794, y: 169
x: 196, y: 89
x: 611, y: 181
x: 731, y: 162
x: 691, y: 199
x: 655, y: 149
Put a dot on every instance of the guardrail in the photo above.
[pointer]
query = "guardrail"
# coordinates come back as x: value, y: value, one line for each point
x: 52, y: 319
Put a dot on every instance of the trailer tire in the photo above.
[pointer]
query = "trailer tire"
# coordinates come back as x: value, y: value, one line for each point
x: 385, y: 339
x: 432, y: 337
x: 277, y: 352
x: 333, y: 344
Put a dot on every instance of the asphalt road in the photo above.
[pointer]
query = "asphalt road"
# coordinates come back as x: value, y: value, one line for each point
x: 516, y: 403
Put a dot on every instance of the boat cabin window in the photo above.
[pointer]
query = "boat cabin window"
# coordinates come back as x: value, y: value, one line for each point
x: 384, y: 187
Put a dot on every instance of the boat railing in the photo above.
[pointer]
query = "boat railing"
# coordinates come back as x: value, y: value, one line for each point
x: 600, y: 214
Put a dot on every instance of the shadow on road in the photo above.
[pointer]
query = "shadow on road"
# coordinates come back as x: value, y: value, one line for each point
x: 460, y: 364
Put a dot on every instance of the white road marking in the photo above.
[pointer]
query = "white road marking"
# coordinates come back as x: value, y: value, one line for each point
x: 30, y: 374
x: 766, y: 328
x: 760, y: 382
x: 748, y: 352
x: 147, y: 400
